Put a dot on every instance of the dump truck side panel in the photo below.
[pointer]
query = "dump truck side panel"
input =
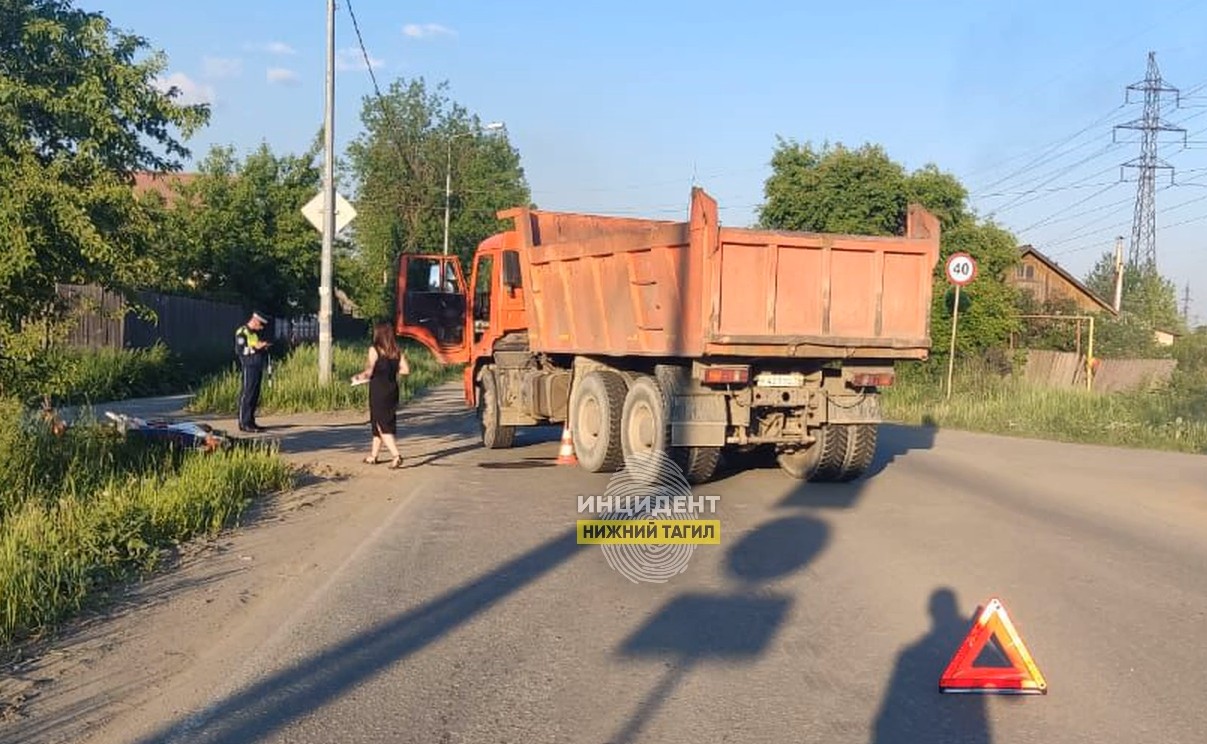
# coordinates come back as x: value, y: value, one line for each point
x: 609, y: 286
x: 616, y: 287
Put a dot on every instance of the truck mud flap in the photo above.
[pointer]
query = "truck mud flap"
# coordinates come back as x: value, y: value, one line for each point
x: 857, y: 408
x: 698, y: 420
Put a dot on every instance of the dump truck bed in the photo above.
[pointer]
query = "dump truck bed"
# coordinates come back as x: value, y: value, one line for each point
x: 611, y: 286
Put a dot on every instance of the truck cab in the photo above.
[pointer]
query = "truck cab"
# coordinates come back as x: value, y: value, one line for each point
x: 457, y: 326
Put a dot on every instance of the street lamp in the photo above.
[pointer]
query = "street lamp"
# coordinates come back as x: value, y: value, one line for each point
x: 494, y: 126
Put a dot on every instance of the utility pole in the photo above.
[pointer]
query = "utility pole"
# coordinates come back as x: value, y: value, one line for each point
x: 1144, y: 220
x: 448, y: 195
x: 1186, y: 305
x: 328, y: 206
x: 1118, y: 304
x: 494, y: 126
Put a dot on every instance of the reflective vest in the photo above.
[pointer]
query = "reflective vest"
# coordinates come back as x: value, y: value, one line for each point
x: 245, y: 345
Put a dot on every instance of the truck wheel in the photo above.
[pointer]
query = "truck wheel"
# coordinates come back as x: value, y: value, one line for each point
x: 494, y: 434
x: 861, y: 450
x: 840, y: 455
x: 595, y: 429
x: 820, y: 461
x: 699, y: 463
x: 646, y: 427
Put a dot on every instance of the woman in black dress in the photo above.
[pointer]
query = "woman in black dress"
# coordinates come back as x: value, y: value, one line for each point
x: 384, y: 364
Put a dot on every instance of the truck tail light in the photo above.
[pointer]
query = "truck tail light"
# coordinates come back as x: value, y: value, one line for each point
x: 737, y: 375
x: 872, y: 379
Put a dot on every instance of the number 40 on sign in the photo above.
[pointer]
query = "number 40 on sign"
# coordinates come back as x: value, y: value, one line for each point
x: 961, y: 270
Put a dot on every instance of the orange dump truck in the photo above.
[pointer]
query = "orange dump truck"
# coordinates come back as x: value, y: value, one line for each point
x: 688, y: 338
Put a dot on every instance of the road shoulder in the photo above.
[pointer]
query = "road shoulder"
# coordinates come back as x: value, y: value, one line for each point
x: 218, y: 600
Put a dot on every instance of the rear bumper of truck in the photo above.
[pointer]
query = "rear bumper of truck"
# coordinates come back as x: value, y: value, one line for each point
x: 818, y: 347
x: 737, y: 408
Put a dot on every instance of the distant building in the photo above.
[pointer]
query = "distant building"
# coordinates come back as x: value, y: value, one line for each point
x: 1165, y: 338
x: 165, y: 184
x: 1048, y: 282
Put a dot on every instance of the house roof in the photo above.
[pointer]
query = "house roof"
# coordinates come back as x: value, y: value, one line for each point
x: 163, y: 183
x: 1025, y: 250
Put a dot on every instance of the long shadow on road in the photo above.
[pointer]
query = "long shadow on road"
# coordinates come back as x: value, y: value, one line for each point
x: 694, y: 629
x: 913, y: 710
x: 690, y: 631
x: 292, y: 693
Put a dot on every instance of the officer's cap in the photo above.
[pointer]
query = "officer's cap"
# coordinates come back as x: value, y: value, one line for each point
x: 260, y: 317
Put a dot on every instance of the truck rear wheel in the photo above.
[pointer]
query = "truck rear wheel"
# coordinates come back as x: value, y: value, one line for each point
x: 861, y: 451
x: 494, y: 434
x: 596, y: 414
x: 841, y: 453
x: 646, y: 427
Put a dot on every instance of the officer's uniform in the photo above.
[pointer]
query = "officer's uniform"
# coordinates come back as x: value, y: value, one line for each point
x: 253, y: 362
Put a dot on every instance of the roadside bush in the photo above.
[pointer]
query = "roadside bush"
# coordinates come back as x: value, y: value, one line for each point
x: 85, y: 508
x: 75, y: 376
x: 294, y: 386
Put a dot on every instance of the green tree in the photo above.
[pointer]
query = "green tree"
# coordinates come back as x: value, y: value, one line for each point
x: 836, y: 190
x: 80, y: 113
x: 236, y: 232
x: 399, y: 166
x: 863, y: 191
x: 1146, y: 294
x: 1148, y: 302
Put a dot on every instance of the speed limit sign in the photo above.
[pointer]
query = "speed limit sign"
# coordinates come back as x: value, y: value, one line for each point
x: 961, y: 269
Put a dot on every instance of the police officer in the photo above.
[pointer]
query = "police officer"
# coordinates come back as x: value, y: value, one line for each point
x: 252, y: 352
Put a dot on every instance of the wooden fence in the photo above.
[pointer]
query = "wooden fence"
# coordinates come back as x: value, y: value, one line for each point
x: 1067, y: 370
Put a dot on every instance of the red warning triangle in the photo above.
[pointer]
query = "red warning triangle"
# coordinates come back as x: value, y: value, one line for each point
x: 1021, y: 678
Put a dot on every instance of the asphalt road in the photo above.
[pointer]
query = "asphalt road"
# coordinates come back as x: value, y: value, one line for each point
x: 468, y: 613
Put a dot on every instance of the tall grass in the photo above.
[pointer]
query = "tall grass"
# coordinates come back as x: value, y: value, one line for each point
x: 71, y: 376
x: 87, y: 508
x: 118, y: 374
x: 1173, y: 419
x: 294, y: 385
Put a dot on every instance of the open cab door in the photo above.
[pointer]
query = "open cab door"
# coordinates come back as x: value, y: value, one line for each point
x: 431, y: 305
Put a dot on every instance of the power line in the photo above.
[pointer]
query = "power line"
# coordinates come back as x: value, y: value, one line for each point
x: 1037, y: 194
x: 360, y: 40
x: 1043, y: 156
x: 1059, y: 173
x: 1169, y: 147
x: 1095, y: 57
x: 1079, y: 234
x: 1052, y: 219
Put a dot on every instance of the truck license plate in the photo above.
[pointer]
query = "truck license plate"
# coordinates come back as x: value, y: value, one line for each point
x: 784, y: 379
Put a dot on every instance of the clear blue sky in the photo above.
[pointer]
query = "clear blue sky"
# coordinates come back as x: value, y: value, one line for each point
x: 616, y: 110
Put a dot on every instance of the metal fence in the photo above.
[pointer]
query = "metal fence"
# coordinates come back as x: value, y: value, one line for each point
x: 103, y: 320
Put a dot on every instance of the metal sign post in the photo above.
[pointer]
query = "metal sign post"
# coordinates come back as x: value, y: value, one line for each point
x: 961, y: 270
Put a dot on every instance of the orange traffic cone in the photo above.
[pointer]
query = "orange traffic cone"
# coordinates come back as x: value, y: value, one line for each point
x: 565, y: 455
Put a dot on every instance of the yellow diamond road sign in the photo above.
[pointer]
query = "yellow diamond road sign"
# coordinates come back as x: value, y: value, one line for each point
x: 344, y: 213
